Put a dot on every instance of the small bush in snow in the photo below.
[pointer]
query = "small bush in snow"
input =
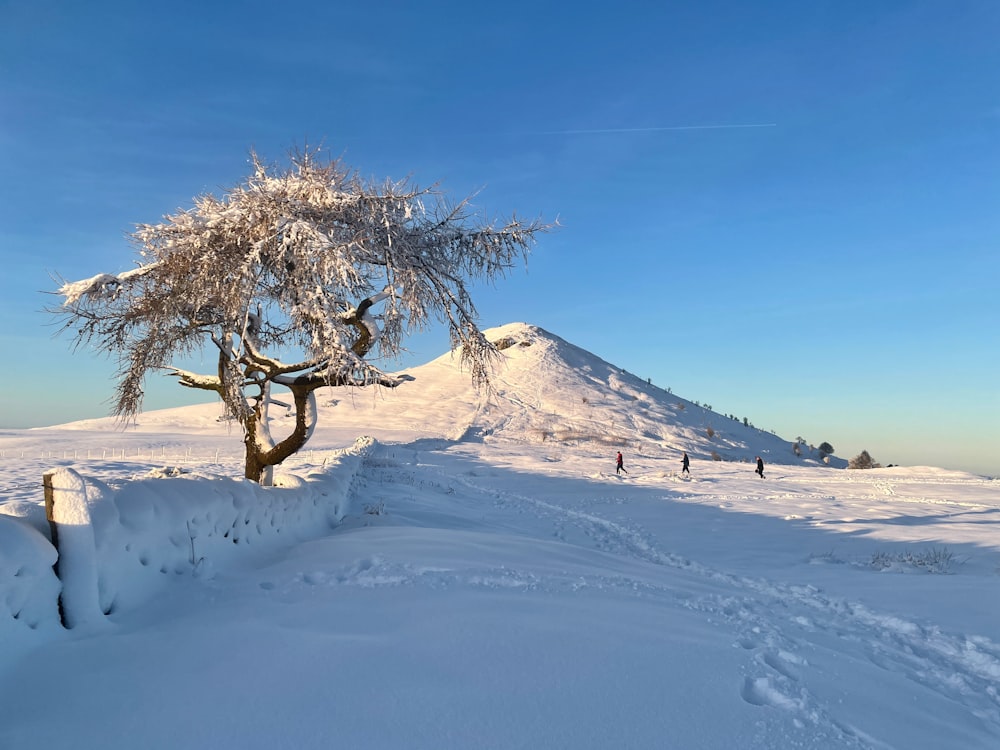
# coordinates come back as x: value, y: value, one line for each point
x: 710, y: 432
x: 716, y: 456
x: 863, y: 461
x: 374, y: 509
x: 829, y: 558
x: 933, y: 560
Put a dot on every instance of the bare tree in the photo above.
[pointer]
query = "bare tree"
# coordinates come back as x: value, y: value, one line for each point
x: 863, y: 461
x: 292, y: 263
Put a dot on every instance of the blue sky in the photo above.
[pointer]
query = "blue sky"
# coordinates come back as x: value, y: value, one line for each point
x: 831, y: 272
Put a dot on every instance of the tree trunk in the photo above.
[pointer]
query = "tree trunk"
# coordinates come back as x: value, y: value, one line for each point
x: 260, y: 457
x: 255, y: 465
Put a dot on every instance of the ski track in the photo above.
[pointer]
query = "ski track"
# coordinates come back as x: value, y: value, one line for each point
x: 777, y: 623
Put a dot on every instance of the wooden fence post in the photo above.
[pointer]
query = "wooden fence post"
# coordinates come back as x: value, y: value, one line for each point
x: 50, y: 502
x: 68, y: 514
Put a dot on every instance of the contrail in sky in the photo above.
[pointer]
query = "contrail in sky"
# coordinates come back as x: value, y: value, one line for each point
x: 590, y: 131
x: 651, y: 130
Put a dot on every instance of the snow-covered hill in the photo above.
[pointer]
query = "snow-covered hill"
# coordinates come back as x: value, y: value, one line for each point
x: 549, y: 391
x: 544, y: 391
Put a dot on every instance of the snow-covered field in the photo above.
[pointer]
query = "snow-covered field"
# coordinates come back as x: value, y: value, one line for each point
x: 491, y: 583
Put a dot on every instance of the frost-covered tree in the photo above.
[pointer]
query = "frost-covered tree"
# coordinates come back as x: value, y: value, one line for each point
x: 863, y: 461
x: 283, y: 275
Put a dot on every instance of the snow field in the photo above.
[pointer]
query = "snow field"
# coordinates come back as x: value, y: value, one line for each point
x: 488, y: 581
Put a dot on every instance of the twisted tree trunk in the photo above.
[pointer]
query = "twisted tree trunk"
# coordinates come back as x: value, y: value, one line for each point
x: 261, y: 452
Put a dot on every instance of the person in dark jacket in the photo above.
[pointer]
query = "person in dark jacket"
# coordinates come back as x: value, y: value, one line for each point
x: 760, y: 467
x: 685, y: 463
x: 619, y: 468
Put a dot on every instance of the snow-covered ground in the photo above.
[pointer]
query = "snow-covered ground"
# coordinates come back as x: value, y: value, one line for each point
x: 492, y: 583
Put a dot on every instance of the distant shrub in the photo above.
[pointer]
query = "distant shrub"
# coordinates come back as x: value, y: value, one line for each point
x: 710, y: 432
x: 825, y: 449
x: 716, y: 456
x: 933, y: 560
x: 829, y: 558
x: 863, y: 461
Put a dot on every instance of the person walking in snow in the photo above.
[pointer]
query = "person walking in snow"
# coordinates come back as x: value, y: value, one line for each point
x: 760, y: 467
x: 685, y: 463
x: 619, y: 468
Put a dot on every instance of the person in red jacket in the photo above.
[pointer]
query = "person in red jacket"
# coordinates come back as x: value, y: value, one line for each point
x: 618, y: 464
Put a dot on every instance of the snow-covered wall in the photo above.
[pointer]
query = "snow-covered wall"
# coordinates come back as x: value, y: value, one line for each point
x: 151, y: 530
x: 29, y: 589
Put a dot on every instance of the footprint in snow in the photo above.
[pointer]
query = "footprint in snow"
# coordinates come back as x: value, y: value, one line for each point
x: 781, y: 663
x: 761, y: 691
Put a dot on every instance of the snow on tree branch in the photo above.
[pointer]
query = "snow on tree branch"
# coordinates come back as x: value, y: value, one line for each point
x: 101, y: 285
x: 194, y: 380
